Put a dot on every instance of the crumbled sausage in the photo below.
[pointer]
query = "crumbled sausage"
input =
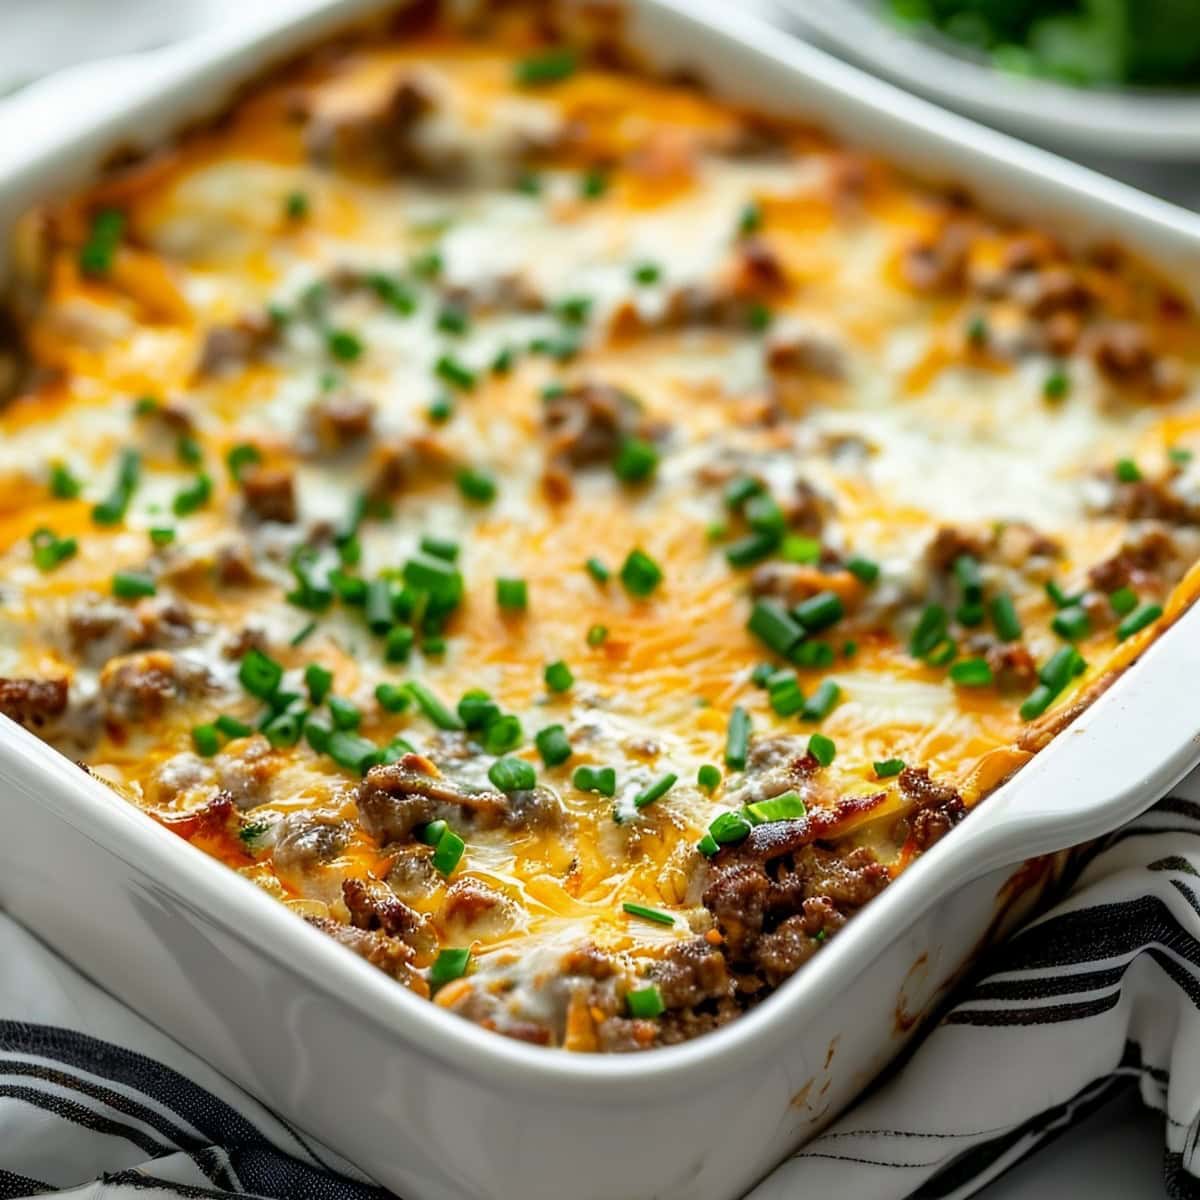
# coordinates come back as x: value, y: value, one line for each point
x: 391, y: 955
x: 339, y: 421
x: 232, y: 347
x: 33, y: 702
x: 270, y: 493
x: 140, y: 687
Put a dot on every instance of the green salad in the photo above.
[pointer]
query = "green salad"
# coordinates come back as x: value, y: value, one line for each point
x: 1144, y: 43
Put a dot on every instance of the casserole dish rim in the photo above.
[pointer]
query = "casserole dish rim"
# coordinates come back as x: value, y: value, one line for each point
x: 124, y: 831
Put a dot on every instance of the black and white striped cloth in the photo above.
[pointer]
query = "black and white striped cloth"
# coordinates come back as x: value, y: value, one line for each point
x: 1099, y: 995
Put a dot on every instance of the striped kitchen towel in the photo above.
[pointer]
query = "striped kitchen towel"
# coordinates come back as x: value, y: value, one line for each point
x: 1101, y: 994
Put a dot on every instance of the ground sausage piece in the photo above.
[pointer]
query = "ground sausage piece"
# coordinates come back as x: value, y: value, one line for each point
x: 391, y: 955
x: 1135, y: 562
x: 939, y: 807
x: 270, y: 493
x: 32, y: 702
x: 587, y: 423
x: 373, y: 905
x: 99, y: 629
x: 691, y: 973
x: 232, y: 347
x: 140, y: 687
x: 377, y: 136
x: 939, y: 264
x: 339, y: 421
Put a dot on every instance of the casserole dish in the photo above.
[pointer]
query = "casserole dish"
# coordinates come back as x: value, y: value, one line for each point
x: 607, y: 1098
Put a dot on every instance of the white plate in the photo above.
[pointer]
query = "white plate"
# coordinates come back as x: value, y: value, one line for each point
x: 1094, y: 121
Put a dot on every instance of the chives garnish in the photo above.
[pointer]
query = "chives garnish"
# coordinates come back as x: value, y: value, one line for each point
x: 194, y: 497
x: 528, y: 184
x: 49, y: 550
x: 162, y: 535
x: 318, y: 680
x: 477, y: 486
x: 432, y: 707
x: 574, y: 310
x: 942, y: 653
x: 931, y: 628
x: 512, y: 595
x: 819, y: 612
x: 1056, y: 385
x: 378, y: 611
x: 729, y: 827
x: 636, y: 460
x: 788, y: 807
x: 708, y: 778
x: 432, y: 833
x: 1036, y: 702
x: 1139, y: 619
x: 350, y: 589
x: 502, y: 734
x: 309, y: 592
x: 970, y: 578
x: 645, y: 1003
x: 763, y: 514
x: 442, y: 580
x: 862, y: 569
x: 972, y: 672
x: 716, y: 531
x: 477, y: 709
x: 597, y: 570
x: 1058, y: 597
x: 750, y: 219
x: 969, y: 614
x: 285, y: 729
x: 392, y: 697
x: 448, y: 966
x: 231, y: 727
x: 558, y: 676
x: 596, y: 779
x: 737, y: 739
x: 812, y: 654
x: 1180, y: 455
x: 206, y: 740
x: 1123, y: 601
x: 822, y: 748
x: 96, y: 254
x: 803, y: 550
x: 977, y: 330
x: 440, y: 410
x: 707, y: 845
x: 427, y: 265
x: 440, y: 547
x: 759, y: 317
x: 189, y: 451
x: 640, y: 574
x: 596, y: 635
x: 512, y: 775
x: 1071, y: 623
x: 349, y: 750
x: 647, y: 914
x: 345, y: 715
x: 131, y: 585
x: 761, y: 673
x: 655, y: 791
x: 593, y: 185
x: 552, y: 745
x: 888, y: 768
x: 785, y: 694
x: 448, y: 852
x: 646, y: 274
x: 453, y: 372
x: 295, y: 206
x: 1059, y: 669
x: 317, y: 733
x: 551, y: 66
x: 303, y: 634
x: 63, y: 485
x: 1004, y: 618
x: 253, y: 831
x: 1127, y: 471
x: 822, y: 701
x: 240, y: 457
x: 398, y: 644
x: 739, y: 489
x: 453, y: 320
x: 344, y: 345
x: 111, y: 510
x: 259, y: 675
x: 751, y: 549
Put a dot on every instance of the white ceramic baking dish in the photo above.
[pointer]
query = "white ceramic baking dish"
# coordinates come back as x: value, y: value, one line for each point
x: 433, y: 1106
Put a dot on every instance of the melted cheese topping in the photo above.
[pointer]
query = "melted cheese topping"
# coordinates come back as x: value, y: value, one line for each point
x: 400, y: 257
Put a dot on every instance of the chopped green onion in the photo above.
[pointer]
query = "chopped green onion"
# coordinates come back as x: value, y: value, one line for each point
x: 740, y: 489
x: 318, y: 680
x: 888, y: 768
x: 707, y: 845
x: 636, y: 460
x: 1123, y: 600
x: 819, y: 612
x: 784, y: 693
x: 432, y: 707
x: 194, y: 497
x: 453, y: 372
x: 442, y: 580
x: 285, y: 729
x: 398, y: 644
x: 647, y: 914
x: 295, y: 206
x: 111, y: 511
x: 231, y: 727
x: 512, y: 595
x: 477, y: 709
x: 763, y: 515
x: 392, y: 697
x: 1060, y: 668
x: 774, y: 627
x: 596, y: 779
x: 574, y: 310
x: 708, y: 778
x: 751, y: 549
x: 1138, y: 620
x: 750, y: 219
x: 597, y: 570
x: 259, y: 675
x: 969, y: 614
x: 646, y: 274
x: 761, y: 673
x: 162, y: 535
x: 512, y: 775
x: 1056, y: 385
x: 552, y: 66
x: 640, y: 574
x: 812, y: 654
x: 349, y: 750
x: 344, y: 345
x: 970, y: 578
x: 63, y: 485
x: 972, y: 672
x: 49, y: 550
x: 593, y: 185
x: 1180, y: 455
x: 977, y: 330
x: 131, y: 585
x: 931, y: 629
x: 189, y: 451
x: 1036, y: 702
x: 432, y: 833
x: 942, y: 653
x: 822, y: 702
x: 862, y: 569
x: 448, y: 966
x: 729, y: 827
x: 552, y: 745
x: 1004, y: 618
x: 240, y: 457
x: 440, y: 548
x: 317, y: 733
x: 345, y: 715
x: 477, y: 486
x: 1071, y: 623
x: 737, y: 739
x: 206, y: 740
x: 96, y: 254
x: 803, y: 550
x: 1058, y: 597
x: 378, y: 609
x: 440, y: 410
x: 596, y: 635
x: 788, y: 807
x: 453, y: 320
x: 822, y: 748
x: 558, y: 676
x: 645, y: 1003
x: 1127, y: 471
x: 655, y: 791
x: 502, y: 734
